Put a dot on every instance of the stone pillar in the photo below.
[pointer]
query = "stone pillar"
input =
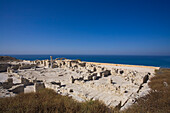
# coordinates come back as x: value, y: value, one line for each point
x: 44, y: 63
x: 110, y: 81
x: 8, y: 70
x: 47, y: 63
x: 69, y: 64
x: 51, y: 61
x: 72, y: 79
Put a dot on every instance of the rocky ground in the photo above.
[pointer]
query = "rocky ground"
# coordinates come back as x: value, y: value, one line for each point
x: 117, y: 86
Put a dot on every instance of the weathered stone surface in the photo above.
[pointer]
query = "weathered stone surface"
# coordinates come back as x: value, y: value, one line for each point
x: 17, y: 89
x: 99, y: 74
x: 27, y: 66
x: 85, y: 81
x: 25, y: 81
x: 72, y: 79
x: 38, y: 86
x: 8, y: 84
x: 82, y: 64
x: 106, y: 73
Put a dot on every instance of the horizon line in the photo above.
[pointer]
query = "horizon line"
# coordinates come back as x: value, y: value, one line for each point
x: 85, y: 54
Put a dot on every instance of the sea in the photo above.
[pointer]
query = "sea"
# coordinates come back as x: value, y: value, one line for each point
x: 157, y: 61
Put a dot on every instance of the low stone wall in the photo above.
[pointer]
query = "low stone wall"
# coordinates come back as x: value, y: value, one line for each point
x: 17, y: 89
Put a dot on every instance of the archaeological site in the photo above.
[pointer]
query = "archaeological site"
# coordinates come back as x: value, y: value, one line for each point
x: 114, y: 85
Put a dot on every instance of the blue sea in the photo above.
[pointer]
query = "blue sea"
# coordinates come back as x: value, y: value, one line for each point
x: 158, y: 61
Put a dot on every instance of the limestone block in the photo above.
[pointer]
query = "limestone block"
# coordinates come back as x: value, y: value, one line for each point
x: 43, y: 62
x: 17, y: 89
x: 113, y: 71
x: 98, y: 69
x: 10, y: 70
x: 10, y: 80
x: 106, y: 73
x: 94, y: 78
x: 69, y: 64
x: 82, y: 64
x: 85, y: 77
x: 92, y: 69
x: 38, y: 86
x: 25, y: 81
x: 8, y: 84
x: 56, y: 83
x: 99, y: 74
x: 90, y: 77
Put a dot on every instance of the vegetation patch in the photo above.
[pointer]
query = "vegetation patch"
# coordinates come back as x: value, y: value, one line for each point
x: 47, y: 101
x: 158, y: 100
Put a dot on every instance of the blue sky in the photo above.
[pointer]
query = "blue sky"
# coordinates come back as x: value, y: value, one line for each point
x: 107, y: 27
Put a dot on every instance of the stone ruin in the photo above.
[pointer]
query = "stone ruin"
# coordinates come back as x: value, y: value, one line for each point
x: 38, y: 86
x: 11, y: 87
x: 81, y: 80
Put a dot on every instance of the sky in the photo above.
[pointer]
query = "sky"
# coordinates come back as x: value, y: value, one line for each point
x: 90, y: 27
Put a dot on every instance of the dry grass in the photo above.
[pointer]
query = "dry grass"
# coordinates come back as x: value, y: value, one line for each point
x: 47, y: 101
x: 158, y: 100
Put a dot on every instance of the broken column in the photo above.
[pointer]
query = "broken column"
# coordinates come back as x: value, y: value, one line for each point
x: 8, y: 69
x: 47, y: 63
x: 51, y: 62
x: 110, y: 80
x: 44, y: 64
x: 72, y: 79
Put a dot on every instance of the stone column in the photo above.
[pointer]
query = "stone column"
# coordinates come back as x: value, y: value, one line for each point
x: 110, y: 81
x: 51, y: 61
x: 8, y: 69
x: 72, y: 79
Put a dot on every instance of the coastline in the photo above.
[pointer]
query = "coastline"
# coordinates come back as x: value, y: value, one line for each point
x: 124, y: 65
x: 149, y: 61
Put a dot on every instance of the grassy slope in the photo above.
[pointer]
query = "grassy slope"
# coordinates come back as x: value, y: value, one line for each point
x: 46, y: 101
x: 158, y: 100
